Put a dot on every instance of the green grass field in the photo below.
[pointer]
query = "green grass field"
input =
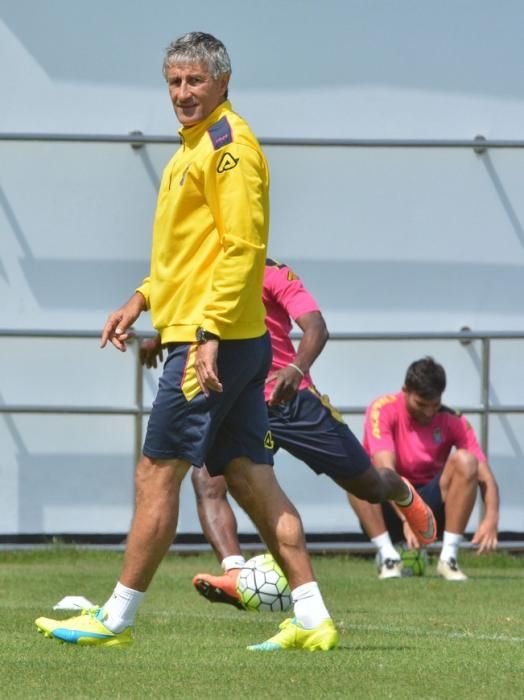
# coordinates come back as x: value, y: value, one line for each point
x: 412, y: 638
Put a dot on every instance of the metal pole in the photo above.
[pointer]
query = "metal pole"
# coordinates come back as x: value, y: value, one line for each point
x: 136, y: 139
x: 484, y: 399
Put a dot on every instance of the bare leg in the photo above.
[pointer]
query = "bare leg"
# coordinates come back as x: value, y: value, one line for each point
x: 376, y: 485
x: 458, y: 485
x: 157, y: 491
x: 257, y: 491
x: 216, y: 516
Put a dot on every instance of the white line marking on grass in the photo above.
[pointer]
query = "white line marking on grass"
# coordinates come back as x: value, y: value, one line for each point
x: 261, y: 619
x: 257, y: 619
x: 437, y: 633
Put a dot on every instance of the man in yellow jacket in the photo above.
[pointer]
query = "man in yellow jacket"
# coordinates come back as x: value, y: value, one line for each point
x: 204, y: 292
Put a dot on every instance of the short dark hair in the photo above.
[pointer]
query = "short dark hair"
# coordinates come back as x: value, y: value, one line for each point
x: 426, y: 378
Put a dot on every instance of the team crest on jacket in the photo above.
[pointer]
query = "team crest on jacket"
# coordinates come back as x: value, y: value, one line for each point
x: 437, y: 436
x: 227, y: 162
x: 220, y: 133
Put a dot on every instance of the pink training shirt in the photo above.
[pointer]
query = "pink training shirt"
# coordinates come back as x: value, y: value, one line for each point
x: 285, y: 298
x: 421, y: 450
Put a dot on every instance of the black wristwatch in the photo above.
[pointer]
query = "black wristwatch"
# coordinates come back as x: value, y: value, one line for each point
x: 202, y: 336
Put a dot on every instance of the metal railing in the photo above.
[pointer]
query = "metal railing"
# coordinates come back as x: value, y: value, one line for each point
x: 485, y: 408
x: 136, y: 139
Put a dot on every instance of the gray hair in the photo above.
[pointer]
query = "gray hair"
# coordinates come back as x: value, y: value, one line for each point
x: 196, y: 47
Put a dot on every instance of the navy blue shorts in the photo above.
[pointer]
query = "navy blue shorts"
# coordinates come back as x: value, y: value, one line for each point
x: 430, y: 492
x: 185, y: 424
x: 310, y: 429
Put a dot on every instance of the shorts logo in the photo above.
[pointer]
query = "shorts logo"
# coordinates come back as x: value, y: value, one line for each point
x: 227, y: 162
x: 437, y: 436
x: 268, y: 441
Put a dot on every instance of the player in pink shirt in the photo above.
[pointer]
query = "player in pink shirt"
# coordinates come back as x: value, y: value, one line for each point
x: 303, y: 423
x: 436, y: 449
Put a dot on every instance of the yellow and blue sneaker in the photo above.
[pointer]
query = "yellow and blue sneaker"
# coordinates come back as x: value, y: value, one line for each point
x: 86, y: 629
x: 293, y: 635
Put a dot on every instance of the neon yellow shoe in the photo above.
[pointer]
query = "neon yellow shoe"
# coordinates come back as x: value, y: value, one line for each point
x: 293, y: 635
x: 86, y: 629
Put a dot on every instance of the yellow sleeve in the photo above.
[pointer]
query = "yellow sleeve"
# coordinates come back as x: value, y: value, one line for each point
x: 145, y: 291
x: 236, y: 186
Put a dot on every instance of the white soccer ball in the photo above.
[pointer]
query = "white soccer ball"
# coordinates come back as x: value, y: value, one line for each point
x: 262, y: 585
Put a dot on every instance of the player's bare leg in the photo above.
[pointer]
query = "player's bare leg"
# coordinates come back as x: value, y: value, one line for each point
x: 257, y: 491
x: 220, y: 530
x: 375, y: 485
x: 216, y: 516
x: 458, y: 486
x: 153, y: 529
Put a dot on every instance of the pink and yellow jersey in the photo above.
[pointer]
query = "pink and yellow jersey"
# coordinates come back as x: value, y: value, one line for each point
x: 285, y: 298
x: 421, y: 450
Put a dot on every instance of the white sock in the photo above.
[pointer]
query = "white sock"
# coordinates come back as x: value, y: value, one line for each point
x: 308, y: 605
x: 450, y: 546
x: 235, y: 561
x: 385, y: 547
x: 121, y: 608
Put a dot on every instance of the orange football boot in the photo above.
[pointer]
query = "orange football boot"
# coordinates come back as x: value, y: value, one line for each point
x: 420, y: 517
x: 219, y: 589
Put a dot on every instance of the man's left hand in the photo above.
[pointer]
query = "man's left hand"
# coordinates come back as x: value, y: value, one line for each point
x: 150, y: 352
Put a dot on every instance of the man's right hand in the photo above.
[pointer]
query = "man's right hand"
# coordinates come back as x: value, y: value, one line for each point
x: 117, y: 328
x: 287, y: 380
x: 206, y: 367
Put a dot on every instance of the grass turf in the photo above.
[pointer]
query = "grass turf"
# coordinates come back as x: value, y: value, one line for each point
x: 414, y: 638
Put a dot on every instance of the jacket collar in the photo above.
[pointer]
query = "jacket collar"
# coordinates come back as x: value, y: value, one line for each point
x: 191, y: 135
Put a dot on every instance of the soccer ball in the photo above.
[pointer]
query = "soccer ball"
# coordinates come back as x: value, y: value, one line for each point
x: 262, y: 585
x: 414, y: 562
